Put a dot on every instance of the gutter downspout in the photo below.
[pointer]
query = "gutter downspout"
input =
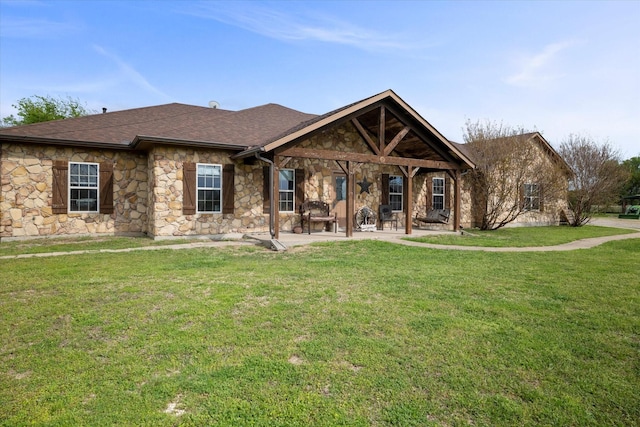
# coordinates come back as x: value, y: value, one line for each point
x: 271, y: 200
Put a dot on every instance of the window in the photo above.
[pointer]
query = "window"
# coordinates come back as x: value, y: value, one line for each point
x: 209, y: 188
x: 286, y: 186
x: 531, y: 197
x: 438, y: 193
x: 83, y: 187
x: 395, y: 192
x: 341, y: 187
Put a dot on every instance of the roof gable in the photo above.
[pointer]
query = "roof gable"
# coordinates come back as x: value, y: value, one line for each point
x: 365, y: 111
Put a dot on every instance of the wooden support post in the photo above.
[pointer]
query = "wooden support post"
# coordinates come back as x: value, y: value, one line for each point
x: 275, y: 203
x: 351, y: 197
x: 409, y: 201
x: 457, y: 202
x: 382, y: 128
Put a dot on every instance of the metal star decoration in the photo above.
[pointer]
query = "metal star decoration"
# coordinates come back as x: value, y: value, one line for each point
x: 364, y: 186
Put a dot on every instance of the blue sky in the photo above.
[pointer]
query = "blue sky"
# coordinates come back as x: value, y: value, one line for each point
x: 559, y: 67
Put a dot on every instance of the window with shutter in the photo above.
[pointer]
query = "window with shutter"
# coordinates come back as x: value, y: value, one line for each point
x: 83, y: 187
x: 437, y: 193
x: 531, y: 196
x: 286, y: 190
x: 396, y: 187
x: 209, y: 188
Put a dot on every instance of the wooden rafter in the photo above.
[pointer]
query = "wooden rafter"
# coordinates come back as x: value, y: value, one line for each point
x: 423, y: 137
x: 365, y: 135
x: 284, y: 161
x: 381, y: 148
x: 396, y: 140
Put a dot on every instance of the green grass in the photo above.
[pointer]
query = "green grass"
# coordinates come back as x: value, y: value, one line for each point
x: 358, y: 333
x: 71, y: 244
x: 522, y: 236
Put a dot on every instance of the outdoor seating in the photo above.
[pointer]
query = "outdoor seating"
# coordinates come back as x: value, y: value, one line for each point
x: 387, y: 215
x: 317, y: 211
x: 440, y: 216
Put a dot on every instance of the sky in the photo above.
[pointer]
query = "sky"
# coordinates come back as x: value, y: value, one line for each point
x: 557, y: 67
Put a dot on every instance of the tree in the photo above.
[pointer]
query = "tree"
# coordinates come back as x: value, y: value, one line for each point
x: 632, y: 185
x: 598, y: 176
x: 38, y: 109
x: 508, y: 163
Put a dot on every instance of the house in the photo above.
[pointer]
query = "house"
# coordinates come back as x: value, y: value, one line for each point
x: 519, y: 180
x: 179, y: 170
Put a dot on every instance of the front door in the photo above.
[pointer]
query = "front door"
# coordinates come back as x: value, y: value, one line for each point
x: 340, y: 198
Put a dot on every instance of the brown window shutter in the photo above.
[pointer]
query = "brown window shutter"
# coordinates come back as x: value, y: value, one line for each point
x: 385, y: 189
x: 189, y: 188
x: 228, y: 187
x: 447, y: 193
x: 521, y: 196
x: 429, y: 195
x: 60, y: 181
x: 299, y: 189
x: 541, y: 197
x: 266, y: 203
x: 106, y: 188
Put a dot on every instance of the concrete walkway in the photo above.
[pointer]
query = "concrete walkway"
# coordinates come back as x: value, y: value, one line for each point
x: 292, y: 240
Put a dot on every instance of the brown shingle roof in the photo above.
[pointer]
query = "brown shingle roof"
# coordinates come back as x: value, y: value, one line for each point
x: 180, y: 122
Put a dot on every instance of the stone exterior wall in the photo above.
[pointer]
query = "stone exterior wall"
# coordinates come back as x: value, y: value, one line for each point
x: 149, y: 191
x: 166, y: 204
x: 26, y: 179
x: 550, y: 214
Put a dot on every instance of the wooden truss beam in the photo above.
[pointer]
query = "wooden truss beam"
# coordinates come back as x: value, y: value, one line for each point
x: 396, y: 140
x: 311, y: 153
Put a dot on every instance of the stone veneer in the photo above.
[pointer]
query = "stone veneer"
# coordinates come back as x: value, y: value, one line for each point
x: 26, y: 179
x: 167, y: 218
x: 148, y: 191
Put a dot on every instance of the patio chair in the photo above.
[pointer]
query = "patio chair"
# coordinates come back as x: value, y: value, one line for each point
x: 387, y: 215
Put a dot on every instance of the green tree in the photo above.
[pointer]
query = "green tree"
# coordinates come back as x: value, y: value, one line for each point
x: 632, y: 185
x: 39, y: 108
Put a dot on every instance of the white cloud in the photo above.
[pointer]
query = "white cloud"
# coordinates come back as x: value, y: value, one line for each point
x: 538, y: 68
x: 35, y: 28
x: 131, y: 73
x: 298, y: 27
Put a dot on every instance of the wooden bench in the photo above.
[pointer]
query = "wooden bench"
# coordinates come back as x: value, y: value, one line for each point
x: 440, y: 216
x: 317, y: 211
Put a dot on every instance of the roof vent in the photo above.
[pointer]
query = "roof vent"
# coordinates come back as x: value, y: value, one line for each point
x: 104, y: 110
x: 214, y: 104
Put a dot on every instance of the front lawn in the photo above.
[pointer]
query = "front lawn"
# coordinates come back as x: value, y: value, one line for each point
x: 521, y: 236
x: 359, y: 333
x: 70, y: 244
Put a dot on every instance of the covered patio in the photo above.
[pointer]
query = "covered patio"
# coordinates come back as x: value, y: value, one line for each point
x: 389, y: 139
